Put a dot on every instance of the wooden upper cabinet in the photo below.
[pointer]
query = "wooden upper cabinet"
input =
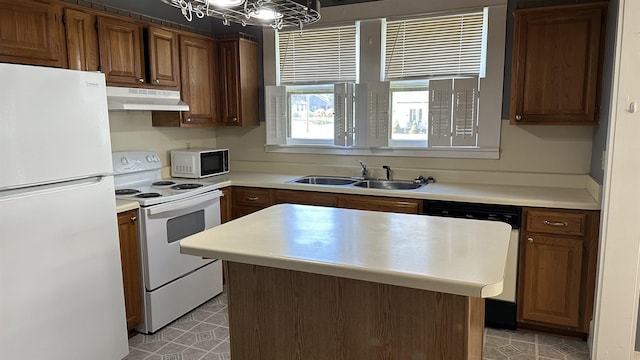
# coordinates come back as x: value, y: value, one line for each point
x: 82, y: 40
x: 556, y: 66
x: 164, y: 69
x: 121, y: 56
x: 199, y: 79
x: 31, y: 32
x: 239, y: 69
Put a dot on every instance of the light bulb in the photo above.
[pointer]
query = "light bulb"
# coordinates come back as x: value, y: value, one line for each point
x: 265, y: 14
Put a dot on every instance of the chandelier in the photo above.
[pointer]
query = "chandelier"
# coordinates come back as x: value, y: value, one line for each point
x: 276, y: 13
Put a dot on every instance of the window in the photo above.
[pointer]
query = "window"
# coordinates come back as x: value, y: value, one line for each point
x: 310, y: 63
x: 433, y: 87
x: 435, y: 49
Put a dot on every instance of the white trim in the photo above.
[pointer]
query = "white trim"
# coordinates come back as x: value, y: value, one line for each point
x: 617, y: 288
x: 465, y: 153
x: 594, y: 188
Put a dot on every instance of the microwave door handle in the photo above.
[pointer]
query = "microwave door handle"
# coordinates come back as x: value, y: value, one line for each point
x: 184, y: 204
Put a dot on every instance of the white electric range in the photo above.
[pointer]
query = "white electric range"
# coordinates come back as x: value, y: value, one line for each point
x: 170, y: 210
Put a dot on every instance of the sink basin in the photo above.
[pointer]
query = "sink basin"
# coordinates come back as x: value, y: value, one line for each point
x: 325, y: 180
x: 389, y: 184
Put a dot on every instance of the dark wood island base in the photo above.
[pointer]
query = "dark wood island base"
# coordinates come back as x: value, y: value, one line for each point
x: 277, y: 314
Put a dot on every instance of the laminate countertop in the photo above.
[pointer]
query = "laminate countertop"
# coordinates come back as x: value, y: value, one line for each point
x: 126, y: 205
x: 456, y: 256
x: 534, y: 196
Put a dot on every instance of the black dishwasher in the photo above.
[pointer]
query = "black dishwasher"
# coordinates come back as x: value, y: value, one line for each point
x: 500, y: 311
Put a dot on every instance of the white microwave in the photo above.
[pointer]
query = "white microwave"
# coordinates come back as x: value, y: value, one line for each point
x: 199, y: 163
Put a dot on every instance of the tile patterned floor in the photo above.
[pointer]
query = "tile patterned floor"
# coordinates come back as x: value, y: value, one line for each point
x: 520, y: 345
x: 203, y: 334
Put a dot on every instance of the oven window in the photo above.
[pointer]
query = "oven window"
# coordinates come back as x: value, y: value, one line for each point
x: 182, y: 226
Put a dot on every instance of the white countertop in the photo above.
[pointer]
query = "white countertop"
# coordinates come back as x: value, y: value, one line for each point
x: 457, y: 256
x: 126, y: 205
x: 536, y: 196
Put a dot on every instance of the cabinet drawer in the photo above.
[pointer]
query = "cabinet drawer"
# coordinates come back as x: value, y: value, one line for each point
x: 557, y: 222
x: 251, y: 197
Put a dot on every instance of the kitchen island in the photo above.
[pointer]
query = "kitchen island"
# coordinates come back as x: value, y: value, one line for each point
x: 307, y: 282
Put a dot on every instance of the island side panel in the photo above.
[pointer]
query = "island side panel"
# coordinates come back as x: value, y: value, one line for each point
x: 283, y: 314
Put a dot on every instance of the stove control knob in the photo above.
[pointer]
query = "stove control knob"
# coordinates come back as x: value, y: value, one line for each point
x: 149, y: 158
x: 124, y: 160
x: 156, y: 158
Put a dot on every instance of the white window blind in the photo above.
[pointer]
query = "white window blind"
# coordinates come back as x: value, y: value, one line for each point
x: 317, y: 55
x: 450, y: 45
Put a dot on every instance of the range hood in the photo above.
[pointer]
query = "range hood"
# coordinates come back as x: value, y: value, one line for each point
x: 119, y: 98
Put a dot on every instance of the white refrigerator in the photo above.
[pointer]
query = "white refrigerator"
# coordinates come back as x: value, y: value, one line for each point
x: 61, y: 293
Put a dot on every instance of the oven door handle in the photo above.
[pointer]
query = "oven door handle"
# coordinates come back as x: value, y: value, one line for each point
x: 184, y: 204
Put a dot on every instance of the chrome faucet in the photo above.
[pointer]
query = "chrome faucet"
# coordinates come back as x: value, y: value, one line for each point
x: 389, y: 171
x: 365, y: 172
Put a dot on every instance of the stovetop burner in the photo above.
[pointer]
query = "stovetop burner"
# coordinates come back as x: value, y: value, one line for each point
x: 126, y: 191
x: 148, y: 195
x: 163, y: 183
x: 187, y: 186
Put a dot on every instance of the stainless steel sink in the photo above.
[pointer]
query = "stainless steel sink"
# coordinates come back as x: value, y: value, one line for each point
x: 389, y: 184
x: 325, y: 180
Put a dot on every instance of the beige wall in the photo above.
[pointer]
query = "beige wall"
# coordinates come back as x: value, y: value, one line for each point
x: 524, y: 149
x: 132, y: 130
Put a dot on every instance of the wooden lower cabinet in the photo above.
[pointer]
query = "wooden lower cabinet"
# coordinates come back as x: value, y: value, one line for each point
x: 305, y: 198
x: 552, y: 277
x: 376, y: 203
x: 131, y: 278
x: 226, y: 205
x: 248, y: 199
x: 558, y: 250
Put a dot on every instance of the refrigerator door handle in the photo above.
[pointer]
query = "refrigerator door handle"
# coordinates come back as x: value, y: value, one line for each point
x: 8, y: 194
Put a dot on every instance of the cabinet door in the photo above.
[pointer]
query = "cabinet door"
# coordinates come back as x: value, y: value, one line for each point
x: 31, y: 32
x: 407, y: 206
x: 226, y: 205
x: 239, y: 64
x: 121, y: 56
x: 199, y: 79
x: 163, y: 58
x: 128, y: 233
x: 556, y: 54
x: 552, y: 279
x: 82, y: 40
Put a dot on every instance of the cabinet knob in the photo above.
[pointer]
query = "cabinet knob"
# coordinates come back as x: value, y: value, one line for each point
x: 518, y: 117
x: 235, y: 119
x: 134, y: 218
x: 141, y: 80
x: 252, y: 198
x: 188, y: 119
x: 156, y: 81
x: 530, y: 240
